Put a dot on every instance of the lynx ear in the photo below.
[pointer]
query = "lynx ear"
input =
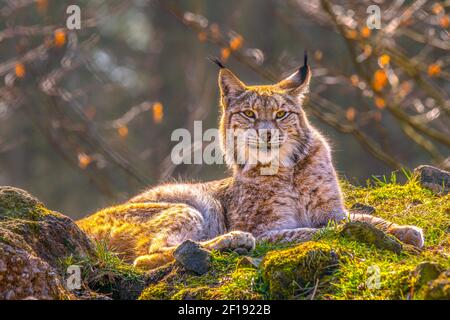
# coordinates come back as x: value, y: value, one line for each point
x: 230, y: 86
x: 298, y: 82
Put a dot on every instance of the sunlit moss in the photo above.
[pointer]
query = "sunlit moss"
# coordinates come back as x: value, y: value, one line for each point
x: 157, y: 291
x: 16, y: 203
x: 293, y: 272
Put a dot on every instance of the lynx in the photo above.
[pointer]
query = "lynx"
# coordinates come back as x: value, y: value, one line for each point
x: 291, y: 205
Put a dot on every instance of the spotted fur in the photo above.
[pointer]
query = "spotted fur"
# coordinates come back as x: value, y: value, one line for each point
x: 302, y: 196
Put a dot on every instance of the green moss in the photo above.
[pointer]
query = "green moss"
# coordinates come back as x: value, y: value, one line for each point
x: 424, y: 272
x: 157, y: 291
x: 197, y: 293
x: 105, y: 272
x: 17, y: 203
x: 295, y: 272
x: 240, y: 286
x: 365, y: 232
x: 223, y: 281
x: 408, y: 203
x: 366, y: 272
x: 438, y: 289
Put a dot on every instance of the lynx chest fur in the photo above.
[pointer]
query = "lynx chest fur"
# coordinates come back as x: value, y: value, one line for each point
x: 305, y: 195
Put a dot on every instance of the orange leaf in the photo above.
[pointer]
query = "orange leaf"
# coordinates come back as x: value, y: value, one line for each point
x: 84, y: 160
x: 365, y: 32
x: 405, y: 89
x: 20, y: 70
x: 379, y: 80
x: 351, y: 34
x: 225, y: 53
x: 236, y: 42
x: 122, y: 131
x: 350, y: 114
x: 384, y: 60
x: 380, y: 103
x: 158, y: 112
x: 437, y: 8
x: 59, y: 38
x: 444, y: 21
x: 434, y: 70
x: 354, y: 79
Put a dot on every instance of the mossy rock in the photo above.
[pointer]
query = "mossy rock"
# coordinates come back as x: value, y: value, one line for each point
x: 17, y: 203
x: 117, y: 284
x: 365, y: 232
x: 224, y: 280
x: 292, y: 272
x: 438, y: 289
x: 26, y: 223
x: 39, y: 239
x: 249, y: 262
x: 434, y: 179
x: 425, y: 272
x: 23, y: 275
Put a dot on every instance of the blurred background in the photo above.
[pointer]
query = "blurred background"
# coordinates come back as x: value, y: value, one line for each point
x: 86, y: 115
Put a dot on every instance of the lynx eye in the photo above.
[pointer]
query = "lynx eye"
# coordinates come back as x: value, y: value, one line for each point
x: 249, y: 114
x: 280, y: 115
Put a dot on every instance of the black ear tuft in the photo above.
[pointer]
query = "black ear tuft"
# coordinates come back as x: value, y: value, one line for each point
x: 216, y: 61
x: 304, y: 69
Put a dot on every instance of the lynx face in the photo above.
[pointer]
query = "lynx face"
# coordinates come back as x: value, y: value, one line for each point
x: 262, y: 124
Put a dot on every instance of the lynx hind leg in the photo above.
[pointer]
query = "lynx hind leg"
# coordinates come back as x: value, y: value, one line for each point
x: 231, y: 241
x: 407, y: 234
x: 154, y: 260
x: 174, y: 225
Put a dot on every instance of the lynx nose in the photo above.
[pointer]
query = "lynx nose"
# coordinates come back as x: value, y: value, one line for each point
x: 265, y: 129
x: 265, y: 135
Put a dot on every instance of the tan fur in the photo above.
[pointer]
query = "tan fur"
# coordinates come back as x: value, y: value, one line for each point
x: 290, y: 205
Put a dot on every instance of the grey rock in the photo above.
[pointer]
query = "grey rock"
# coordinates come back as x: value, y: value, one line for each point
x: 193, y: 257
x: 365, y: 232
x: 241, y: 251
x: 249, y: 262
x: 362, y: 208
x: 432, y: 178
x: 425, y: 272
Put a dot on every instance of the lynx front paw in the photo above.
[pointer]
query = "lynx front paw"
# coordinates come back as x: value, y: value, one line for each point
x: 408, y: 234
x: 230, y: 241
